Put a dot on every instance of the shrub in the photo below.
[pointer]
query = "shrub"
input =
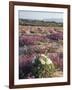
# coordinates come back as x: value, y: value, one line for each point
x: 43, y: 67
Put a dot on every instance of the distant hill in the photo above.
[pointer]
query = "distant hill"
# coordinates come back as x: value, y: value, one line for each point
x: 47, y: 22
x: 54, y: 20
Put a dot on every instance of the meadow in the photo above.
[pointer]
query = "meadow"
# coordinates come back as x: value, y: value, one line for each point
x: 40, y: 49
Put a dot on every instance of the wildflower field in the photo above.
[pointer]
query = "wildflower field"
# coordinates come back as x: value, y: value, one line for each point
x: 40, y: 49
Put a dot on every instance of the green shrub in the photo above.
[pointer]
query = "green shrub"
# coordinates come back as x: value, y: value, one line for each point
x: 43, y: 67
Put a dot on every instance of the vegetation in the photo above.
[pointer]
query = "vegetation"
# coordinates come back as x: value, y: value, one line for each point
x: 38, y: 23
x: 40, y: 49
x: 42, y: 67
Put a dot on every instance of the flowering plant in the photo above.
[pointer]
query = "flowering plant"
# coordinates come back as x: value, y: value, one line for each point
x: 42, y: 67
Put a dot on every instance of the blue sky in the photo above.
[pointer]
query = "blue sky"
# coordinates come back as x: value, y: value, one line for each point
x: 40, y: 15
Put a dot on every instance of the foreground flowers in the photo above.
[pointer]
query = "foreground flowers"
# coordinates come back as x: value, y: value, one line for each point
x: 43, y: 67
x: 45, y: 60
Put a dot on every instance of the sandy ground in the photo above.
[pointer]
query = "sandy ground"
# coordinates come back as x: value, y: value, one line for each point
x: 58, y: 74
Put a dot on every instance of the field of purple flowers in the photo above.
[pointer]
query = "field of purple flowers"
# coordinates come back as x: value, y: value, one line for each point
x: 37, y: 40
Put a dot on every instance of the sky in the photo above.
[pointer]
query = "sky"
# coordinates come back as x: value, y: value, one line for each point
x: 39, y: 15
